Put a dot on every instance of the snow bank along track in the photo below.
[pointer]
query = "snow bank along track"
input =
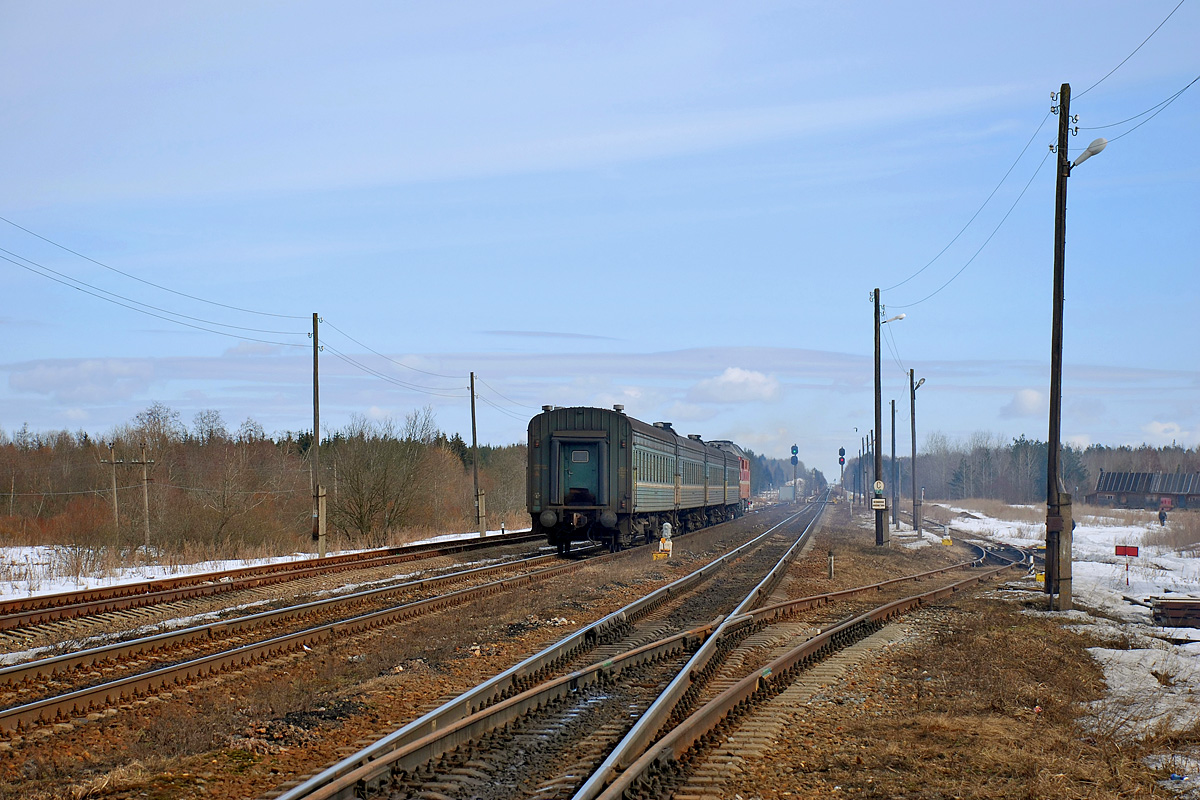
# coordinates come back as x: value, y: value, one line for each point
x: 513, y: 736
x: 22, y: 612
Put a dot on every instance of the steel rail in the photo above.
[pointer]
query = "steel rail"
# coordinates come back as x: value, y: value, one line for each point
x: 58, y: 664
x: 374, y: 759
x: 675, y: 744
x: 646, y: 729
x: 83, y: 701
x: 68, y: 605
x: 369, y: 776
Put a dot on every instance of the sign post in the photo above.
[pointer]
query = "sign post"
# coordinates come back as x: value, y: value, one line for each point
x: 1127, y: 551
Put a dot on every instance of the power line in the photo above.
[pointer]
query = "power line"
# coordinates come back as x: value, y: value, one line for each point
x: 509, y: 399
x: 1163, y: 105
x: 978, y: 210
x: 138, y: 302
x: 985, y: 242
x: 1139, y: 47
x: 436, y: 391
x: 381, y: 355
x: 144, y: 281
x: 148, y: 313
x: 502, y: 410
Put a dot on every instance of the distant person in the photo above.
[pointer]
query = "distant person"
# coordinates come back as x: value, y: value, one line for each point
x: 1162, y: 516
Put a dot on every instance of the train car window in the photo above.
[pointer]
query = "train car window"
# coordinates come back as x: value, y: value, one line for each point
x: 579, y: 456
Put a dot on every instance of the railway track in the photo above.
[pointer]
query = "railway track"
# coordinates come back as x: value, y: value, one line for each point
x: 82, y: 685
x: 68, y: 687
x: 528, y: 743
x: 648, y: 636
x: 23, y: 612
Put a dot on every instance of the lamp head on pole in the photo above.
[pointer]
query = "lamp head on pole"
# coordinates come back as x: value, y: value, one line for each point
x: 1092, y: 149
x: 893, y: 319
x: 919, y: 384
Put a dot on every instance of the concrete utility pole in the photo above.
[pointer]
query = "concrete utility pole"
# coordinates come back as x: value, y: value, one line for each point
x: 1058, y: 503
x: 318, y: 514
x: 912, y: 404
x: 895, y: 473
x: 480, y: 511
x: 881, y: 531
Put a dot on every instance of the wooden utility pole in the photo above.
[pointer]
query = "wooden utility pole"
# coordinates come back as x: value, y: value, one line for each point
x: 318, y: 514
x: 146, y: 493
x: 480, y: 511
x: 112, y: 460
x: 145, y: 463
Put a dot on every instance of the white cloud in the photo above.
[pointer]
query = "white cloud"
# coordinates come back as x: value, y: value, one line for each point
x: 735, y: 385
x: 1079, y: 440
x: 253, y: 349
x: 1161, y: 433
x: 1025, y: 403
x: 85, y: 382
x: 689, y: 412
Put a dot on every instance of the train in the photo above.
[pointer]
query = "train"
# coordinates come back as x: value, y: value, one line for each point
x: 599, y: 475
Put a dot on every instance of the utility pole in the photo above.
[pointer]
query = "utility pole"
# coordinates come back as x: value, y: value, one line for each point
x: 112, y: 461
x: 895, y: 473
x: 1058, y: 503
x: 858, y: 471
x: 912, y: 404
x: 145, y: 491
x: 318, y: 514
x: 480, y: 512
x: 881, y: 532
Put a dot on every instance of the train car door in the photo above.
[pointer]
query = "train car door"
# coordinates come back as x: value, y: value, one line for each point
x: 580, y: 464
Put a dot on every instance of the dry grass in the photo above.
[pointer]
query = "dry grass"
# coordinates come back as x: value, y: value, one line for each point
x: 1181, y: 534
x: 986, y: 709
x: 998, y: 509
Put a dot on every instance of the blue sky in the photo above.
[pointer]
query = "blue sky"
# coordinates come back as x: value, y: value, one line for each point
x: 681, y: 207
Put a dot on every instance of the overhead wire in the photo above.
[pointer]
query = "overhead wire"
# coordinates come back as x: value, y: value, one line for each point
x: 981, y: 207
x: 1139, y: 47
x: 149, y: 313
x: 1164, y: 105
x: 1159, y: 108
x: 143, y: 280
x: 501, y: 409
x: 985, y: 241
x: 499, y: 393
x: 437, y: 391
x: 388, y: 358
x: 73, y: 280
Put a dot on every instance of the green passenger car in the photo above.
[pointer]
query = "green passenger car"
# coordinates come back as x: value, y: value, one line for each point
x: 600, y: 475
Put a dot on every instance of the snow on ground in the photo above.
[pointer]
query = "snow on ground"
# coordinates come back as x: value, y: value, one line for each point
x: 1153, y: 673
x: 43, y: 570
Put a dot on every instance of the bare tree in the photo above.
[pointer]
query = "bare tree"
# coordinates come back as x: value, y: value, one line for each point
x: 208, y: 426
x: 378, y: 468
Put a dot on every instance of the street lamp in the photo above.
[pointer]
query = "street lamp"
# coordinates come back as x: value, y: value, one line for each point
x: 881, y: 537
x: 1058, y: 502
x: 912, y: 405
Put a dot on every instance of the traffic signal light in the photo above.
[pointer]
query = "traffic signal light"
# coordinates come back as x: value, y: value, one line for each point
x: 842, y: 460
x: 795, y: 460
x: 842, y: 452
x: 795, y: 450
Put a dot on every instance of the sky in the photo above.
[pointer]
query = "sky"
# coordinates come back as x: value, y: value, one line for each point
x: 679, y: 207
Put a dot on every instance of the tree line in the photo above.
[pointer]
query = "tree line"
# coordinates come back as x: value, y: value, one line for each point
x: 987, y: 466
x: 212, y: 491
